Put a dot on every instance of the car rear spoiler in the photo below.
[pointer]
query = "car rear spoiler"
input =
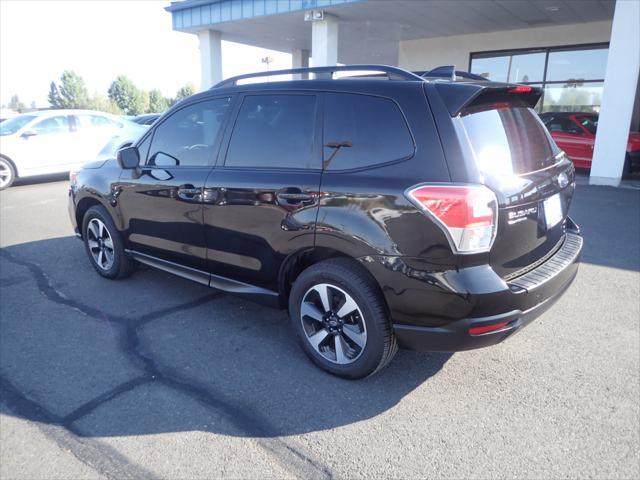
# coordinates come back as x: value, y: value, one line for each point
x: 465, y: 98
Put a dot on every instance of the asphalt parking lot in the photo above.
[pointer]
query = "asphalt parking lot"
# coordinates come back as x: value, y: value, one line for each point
x: 157, y: 377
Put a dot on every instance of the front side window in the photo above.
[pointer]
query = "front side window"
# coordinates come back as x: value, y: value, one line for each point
x: 52, y: 125
x: 188, y: 137
x: 590, y: 122
x: 562, y: 125
x: 12, y: 125
x: 362, y: 131
x: 274, y: 131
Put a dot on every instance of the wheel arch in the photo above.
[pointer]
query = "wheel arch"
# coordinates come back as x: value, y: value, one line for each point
x: 298, y: 261
x: 13, y: 164
x: 83, y: 205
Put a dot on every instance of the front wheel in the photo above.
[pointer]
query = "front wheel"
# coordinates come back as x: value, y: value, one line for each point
x: 341, y: 319
x: 104, y: 246
x: 7, y: 173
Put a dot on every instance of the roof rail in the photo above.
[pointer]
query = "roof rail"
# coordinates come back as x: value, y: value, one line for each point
x: 449, y: 72
x: 327, y: 72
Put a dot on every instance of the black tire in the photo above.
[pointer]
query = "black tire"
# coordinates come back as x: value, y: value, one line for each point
x: 121, y: 265
x: 7, y: 173
x: 349, y: 277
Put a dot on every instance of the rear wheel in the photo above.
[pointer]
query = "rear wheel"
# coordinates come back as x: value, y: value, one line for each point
x: 7, y: 173
x: 104, y: 246
x: 341, y: 319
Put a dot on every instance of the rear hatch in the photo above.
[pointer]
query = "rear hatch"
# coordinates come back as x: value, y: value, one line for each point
x: 505, y: 146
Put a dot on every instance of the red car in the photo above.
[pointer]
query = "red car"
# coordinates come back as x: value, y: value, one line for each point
x: 575, y: 133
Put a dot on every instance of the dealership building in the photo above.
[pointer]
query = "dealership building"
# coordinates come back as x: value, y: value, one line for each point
x: 584, y: 54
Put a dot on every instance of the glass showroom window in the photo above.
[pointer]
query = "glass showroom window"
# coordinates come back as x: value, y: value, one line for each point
x: 571, y: 78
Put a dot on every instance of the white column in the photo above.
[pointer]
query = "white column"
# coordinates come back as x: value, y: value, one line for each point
x: 300, y: 59
x: 324, y: 41
x: 210, y: 57
x: 620, y: 85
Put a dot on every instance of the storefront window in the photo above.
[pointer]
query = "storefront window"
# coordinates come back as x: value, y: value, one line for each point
x: 527, y: 68
x: 572, y: 79
x: 577, y: 65
x: 494, y: 68
x: 572, y: 97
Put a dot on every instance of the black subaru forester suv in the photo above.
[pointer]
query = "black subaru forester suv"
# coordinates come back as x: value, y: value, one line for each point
x: 383, y: 210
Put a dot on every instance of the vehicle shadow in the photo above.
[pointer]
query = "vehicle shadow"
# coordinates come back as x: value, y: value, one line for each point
x: 54, y: 177
x: 146, y: 354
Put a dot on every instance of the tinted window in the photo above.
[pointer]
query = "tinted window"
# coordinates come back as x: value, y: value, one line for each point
x: 52, y: 125
x: 374, y: 127
x: 188, y: 137
x: 508, y: 141
x: 275, y: 131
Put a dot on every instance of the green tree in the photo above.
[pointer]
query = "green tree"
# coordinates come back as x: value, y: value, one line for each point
x: 126, y: 96
x: 70, y: 93
x: 103, y: 104
x: 54, y: 96
x: 16, y: 104
x: 157, y: 103
x: 186, y: 91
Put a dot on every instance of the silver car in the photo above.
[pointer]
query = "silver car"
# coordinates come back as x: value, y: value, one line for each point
x: 55, y: 141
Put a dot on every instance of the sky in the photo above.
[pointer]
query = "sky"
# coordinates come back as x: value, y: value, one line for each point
x: 101, y: 39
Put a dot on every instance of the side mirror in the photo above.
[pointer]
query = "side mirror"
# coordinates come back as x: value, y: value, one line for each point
x: 128, y: 158
x: 29, y: 133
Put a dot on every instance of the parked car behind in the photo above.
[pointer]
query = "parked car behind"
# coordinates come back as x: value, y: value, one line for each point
x: 53, y: 141
x: 146, y: 119
x: 410, y: 212
x: 575, y: 133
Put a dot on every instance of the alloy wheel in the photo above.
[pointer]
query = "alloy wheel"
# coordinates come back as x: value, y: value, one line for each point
x: 100, y: 244
x: 333, y: 323
x: 5, y: 174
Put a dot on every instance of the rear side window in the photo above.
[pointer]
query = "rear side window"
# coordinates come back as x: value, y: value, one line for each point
x: 507, y: 141
x: 274, y: 131
x: 362, y: 131
x: 188, y: 137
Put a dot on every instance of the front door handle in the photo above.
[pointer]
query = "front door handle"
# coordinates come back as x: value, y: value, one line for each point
x: 295, y: 197
x: 188, y: 191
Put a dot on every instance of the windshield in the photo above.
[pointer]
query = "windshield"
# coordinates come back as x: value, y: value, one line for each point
x: 12, y: 125
x: 590, y: 122
x: 508, y: 141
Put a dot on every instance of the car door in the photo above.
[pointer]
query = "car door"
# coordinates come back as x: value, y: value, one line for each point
x: 261, y: 202
x: 161, y: 202
x: 44, y: 147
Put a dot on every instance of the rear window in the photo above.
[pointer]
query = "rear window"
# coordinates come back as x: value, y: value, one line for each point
x: 508, y: 141
x: 372, y: 130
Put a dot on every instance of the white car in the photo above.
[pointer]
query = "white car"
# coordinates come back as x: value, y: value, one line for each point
x: 55, y: 141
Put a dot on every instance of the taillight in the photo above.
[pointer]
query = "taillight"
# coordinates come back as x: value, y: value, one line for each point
x: 468, y: 214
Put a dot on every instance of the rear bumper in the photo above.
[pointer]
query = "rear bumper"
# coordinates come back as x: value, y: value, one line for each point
x: 455, y: 336
x: 478, y: 297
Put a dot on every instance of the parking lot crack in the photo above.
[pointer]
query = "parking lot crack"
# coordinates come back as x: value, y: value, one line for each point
x: 290, y: 457
x: 102, y: 458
